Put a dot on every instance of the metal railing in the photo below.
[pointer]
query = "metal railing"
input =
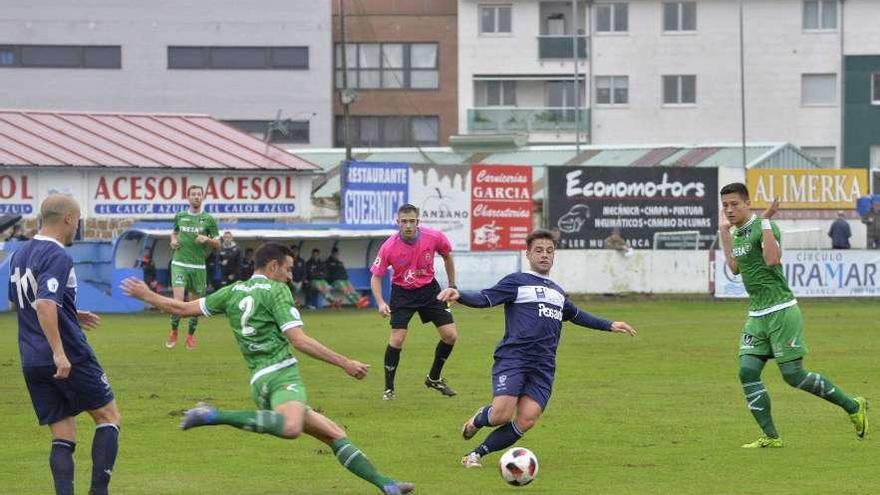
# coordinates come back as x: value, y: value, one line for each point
x: 552, y: 46
x: 501, y: 119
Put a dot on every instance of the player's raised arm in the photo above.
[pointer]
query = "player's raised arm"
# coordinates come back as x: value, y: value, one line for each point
x: 503, y: 292
x: 137, y: 289
x: 770, y: 247
x: 574, y: 314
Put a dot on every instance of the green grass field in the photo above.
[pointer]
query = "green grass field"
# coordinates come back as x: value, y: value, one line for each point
x: 660, y: 413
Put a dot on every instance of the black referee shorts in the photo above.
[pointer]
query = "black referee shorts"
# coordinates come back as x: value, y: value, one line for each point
x: 406, y: 302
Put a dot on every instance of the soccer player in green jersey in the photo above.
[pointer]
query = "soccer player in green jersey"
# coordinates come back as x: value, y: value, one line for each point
x: 195, y: 236
x: 265, y: 323
x: 774, y: 327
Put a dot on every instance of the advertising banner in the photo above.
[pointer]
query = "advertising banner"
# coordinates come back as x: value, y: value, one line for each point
x: 646, y: 204
x: 443, y: 197
x: 18, y: 194
x: 501, y: 207
x: 800, y: 189
x: 161, y: 195
x: 372, y: 192
x: 823, y: 273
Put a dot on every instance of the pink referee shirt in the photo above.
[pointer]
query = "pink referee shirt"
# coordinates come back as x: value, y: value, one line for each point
x: 413, y: 264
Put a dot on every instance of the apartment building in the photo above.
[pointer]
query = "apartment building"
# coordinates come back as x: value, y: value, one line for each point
x: 657, y: 71
x: 402, y: 64
x: 263, y: 66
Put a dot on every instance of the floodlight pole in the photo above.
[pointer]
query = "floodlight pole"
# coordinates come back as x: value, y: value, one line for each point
x: 344, y: 97
x: 742, y: 84
x: 577, y: 89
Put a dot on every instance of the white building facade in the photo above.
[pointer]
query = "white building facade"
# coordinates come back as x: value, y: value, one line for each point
x: 660, y: 71
x: 243, y: 62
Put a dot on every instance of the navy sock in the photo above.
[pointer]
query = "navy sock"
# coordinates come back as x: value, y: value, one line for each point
x: 482, y: 418
x: 441, y: 352
x: 503, y: 437
x: 392, y: 358
x: 104, y: 448
x: 61, y: 464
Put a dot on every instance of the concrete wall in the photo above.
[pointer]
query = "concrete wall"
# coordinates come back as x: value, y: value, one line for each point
x: 144, y: 84
x: 606, y: 271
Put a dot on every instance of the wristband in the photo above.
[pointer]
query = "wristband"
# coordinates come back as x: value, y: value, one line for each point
x: 452, y: 286
x: 765, y: 224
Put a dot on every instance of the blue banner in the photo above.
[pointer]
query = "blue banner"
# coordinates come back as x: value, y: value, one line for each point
x: 372, y: 192
x: 173, y: 208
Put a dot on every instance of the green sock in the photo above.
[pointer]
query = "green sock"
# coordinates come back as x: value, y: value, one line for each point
x: 355, y: 461
x: 256, y: 421
x: 757, y: 398
x: 816, y: 384
x: 353, y: 297
x: 175, y: 322
x: 193, y: 322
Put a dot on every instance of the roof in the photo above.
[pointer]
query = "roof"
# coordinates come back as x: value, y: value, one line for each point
x: 758, y: 155
x: 135, y: 140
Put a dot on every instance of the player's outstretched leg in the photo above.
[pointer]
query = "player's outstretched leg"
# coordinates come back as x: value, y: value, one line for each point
x: 349, y: 455
x: 758, y: 400
x: 269, y: 422
x: 794, y: 374
x: 477, y: 421
x: 860, y: 418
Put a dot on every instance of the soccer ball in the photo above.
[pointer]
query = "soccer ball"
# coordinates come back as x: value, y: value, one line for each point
x: 518, y: 466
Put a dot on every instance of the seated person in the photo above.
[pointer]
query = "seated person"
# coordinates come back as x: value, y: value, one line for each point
x: 297, y: 282
x: 337, y: 277
x: 316, y: 278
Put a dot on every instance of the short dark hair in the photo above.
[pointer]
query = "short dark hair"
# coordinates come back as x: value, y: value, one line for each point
x: 316, y: 250
x: 736, y: 188
x: 190, y: 188
x: 268, y: 252
x: 407, y: 208
x: 540, y: 234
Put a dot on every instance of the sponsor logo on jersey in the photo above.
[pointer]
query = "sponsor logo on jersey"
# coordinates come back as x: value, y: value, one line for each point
x: 540, y: 293
x: 249, y: 288
x: 739, y: 251
x: 549, y: 312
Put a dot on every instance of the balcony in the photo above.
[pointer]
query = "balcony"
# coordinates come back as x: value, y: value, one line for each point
x: 544, y: 119
x: 556, y: 47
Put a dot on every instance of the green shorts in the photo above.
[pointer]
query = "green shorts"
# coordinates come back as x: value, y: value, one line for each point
x: 278, y: 387
x: 193, y: 280
x: 779, y: 335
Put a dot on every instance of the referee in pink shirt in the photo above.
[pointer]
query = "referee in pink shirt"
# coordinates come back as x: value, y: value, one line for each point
x: 410, y: 253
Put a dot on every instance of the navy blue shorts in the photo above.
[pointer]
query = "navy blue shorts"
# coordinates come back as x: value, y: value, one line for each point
x: 85, y: 389
x: 518, y: 379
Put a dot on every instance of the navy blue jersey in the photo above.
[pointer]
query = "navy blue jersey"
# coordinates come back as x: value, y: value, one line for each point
x: 42, y: 269
x: 534, y: 309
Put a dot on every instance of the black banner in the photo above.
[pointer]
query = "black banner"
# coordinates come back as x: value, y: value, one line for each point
x: 876, y: 182
x: 675, y: 207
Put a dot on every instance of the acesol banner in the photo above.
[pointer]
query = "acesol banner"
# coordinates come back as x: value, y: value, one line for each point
x: 807, y: 189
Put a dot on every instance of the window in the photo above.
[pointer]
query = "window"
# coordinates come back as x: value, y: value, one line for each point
x: 389, y: 65
x: 820, y: 15
x: 61, y: 56
x: 678, y: 90
x: 612, y: 90
x: 818, y: 89
x: 396, y: 131
x: 239, y: 57
x: 612, y: 18
x: 495, y: 19
x: 875, y: 88
x: 824, y: 155
x: 283, y: 132
x: 500, y: 93
x: 680, y: 16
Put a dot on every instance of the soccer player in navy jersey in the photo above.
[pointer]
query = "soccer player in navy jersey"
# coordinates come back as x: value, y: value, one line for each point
x: 60, y: 369
x: 525, y: 359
